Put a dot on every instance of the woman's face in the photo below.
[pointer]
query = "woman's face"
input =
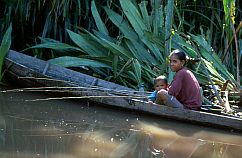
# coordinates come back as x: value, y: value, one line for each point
x: 175, y: 63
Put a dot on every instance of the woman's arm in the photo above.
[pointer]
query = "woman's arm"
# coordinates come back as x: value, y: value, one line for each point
x: 176, y: 84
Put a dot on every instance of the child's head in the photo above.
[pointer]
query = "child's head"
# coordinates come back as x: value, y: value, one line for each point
x: 160, y: 83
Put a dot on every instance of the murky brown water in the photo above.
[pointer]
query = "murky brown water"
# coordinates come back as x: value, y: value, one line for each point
x: 77, y: 129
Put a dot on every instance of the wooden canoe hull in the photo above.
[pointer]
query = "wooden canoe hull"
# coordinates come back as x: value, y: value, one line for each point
x: 32, y: 71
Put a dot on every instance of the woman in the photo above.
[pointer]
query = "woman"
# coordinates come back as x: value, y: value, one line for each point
x: 184, y: 91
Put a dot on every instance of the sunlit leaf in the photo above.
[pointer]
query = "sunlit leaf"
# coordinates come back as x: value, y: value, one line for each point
x: 67, y: 61
x: 87, y: 44
x: 207, y: 52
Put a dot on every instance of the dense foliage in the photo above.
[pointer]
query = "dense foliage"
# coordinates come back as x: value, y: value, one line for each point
x: 128, y: 42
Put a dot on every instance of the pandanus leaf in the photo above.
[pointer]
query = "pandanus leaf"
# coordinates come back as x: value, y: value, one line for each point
x: 145, y: 15
x: 168, y: 26
x: 157, y: 17
x: 140, y: 52
x: 133, y: 16
x: 137, y: 71
x: 115, y: 65
x: 179, y: 43
x: 68, y: 61
x: 86, y: 43
x: 109, y: 44
x: 122, y: 24
x: 100, y: 25
x: 207, y: 52
x: 4, y: 48
x: 53, y: 44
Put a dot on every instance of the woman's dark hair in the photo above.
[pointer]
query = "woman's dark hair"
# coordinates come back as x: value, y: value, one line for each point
x: 179, y: 54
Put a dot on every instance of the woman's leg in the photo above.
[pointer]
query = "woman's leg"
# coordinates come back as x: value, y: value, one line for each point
x: 161, y: 97
x: 164, y: 98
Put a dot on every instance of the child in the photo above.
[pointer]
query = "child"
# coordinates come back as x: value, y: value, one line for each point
x: 159, y: 83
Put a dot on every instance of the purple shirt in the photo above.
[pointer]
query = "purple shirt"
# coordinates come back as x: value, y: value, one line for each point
x: 185, y: 88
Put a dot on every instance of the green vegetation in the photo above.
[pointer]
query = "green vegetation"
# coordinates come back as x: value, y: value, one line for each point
x: 4, y: 47
x: 128, y: 42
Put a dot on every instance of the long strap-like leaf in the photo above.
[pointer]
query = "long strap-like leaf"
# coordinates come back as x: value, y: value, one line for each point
x: 168, y: 29
x: 4, y: 48
x: 100, y: 25
x: 133, y: 16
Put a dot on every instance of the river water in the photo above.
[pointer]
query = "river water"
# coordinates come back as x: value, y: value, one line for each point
x: 80, y: 129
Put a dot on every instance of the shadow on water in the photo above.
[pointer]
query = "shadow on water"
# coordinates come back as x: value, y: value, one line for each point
x: 73, y: 129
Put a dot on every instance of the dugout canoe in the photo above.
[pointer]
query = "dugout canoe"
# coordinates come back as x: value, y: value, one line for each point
x: 30, y: 71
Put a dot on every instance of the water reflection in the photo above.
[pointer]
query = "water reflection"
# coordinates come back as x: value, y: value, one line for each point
x: 187, y: 143
x: 68, y: 129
